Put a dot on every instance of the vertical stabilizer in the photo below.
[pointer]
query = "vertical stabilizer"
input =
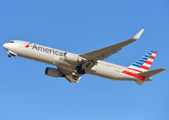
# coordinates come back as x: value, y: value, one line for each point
x: 143, y: 64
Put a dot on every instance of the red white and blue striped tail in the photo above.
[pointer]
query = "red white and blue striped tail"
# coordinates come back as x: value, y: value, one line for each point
x: 143, y: 64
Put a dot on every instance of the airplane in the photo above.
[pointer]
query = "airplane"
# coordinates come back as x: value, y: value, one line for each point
x: 73, y: 66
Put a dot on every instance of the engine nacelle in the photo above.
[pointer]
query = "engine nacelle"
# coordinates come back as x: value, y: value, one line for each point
x: 70, y: 57
x: 53, y: 72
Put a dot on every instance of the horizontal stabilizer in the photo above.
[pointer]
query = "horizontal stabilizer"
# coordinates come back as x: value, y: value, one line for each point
x: 151, y: 72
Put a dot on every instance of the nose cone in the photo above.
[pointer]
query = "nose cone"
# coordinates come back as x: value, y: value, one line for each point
x: 6, y: 46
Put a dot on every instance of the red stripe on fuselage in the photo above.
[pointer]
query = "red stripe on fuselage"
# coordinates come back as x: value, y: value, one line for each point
x: 133, y: 75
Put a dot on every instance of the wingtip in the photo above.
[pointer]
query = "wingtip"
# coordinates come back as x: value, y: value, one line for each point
x: 137, y: 36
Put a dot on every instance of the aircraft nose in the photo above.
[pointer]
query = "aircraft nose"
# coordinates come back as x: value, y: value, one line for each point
x: 6, y: 46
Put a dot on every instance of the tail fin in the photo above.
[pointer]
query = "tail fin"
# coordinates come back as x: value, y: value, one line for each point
x: 143, y: 64
x: 139, y: 69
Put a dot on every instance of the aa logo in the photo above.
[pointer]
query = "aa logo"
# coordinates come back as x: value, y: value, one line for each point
x: 27, y: 46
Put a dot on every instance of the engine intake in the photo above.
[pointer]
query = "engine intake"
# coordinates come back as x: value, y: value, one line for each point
x: 53, y: 72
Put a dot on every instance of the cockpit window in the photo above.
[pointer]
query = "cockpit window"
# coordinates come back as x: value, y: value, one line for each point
x: 11, y: 42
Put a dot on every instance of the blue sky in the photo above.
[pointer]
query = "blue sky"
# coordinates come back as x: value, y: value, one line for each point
x: 26, y: 93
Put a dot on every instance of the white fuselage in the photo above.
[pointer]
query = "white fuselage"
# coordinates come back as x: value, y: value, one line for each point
x: 56, y: 57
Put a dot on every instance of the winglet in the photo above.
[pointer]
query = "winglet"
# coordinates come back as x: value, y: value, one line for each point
x: 137, y: 36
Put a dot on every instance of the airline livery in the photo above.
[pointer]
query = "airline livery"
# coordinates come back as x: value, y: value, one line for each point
x: 73, y: 66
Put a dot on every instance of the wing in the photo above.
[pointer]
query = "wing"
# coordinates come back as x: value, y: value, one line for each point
x: 103, y: 53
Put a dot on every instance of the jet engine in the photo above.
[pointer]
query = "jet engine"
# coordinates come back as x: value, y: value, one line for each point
x: 70, y: 57
x: 53, y: 72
